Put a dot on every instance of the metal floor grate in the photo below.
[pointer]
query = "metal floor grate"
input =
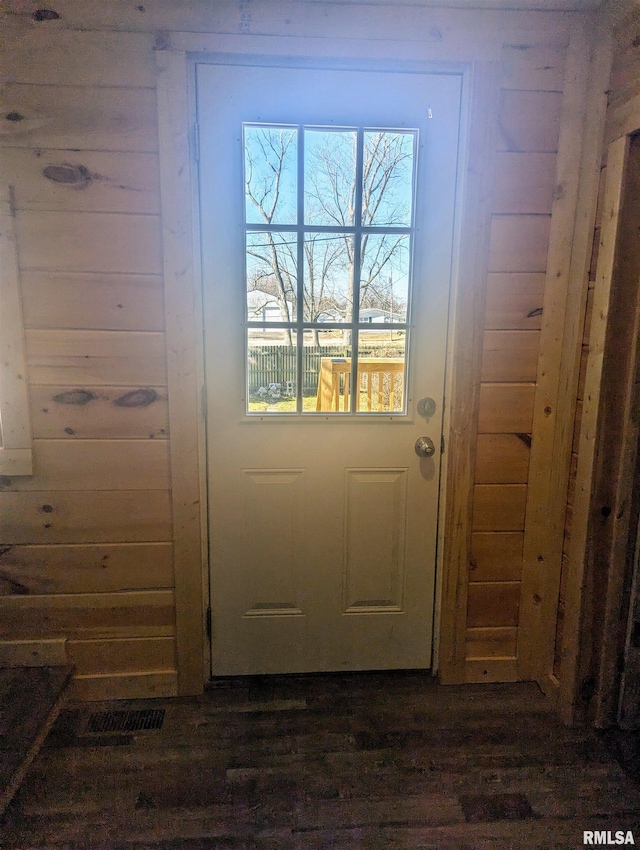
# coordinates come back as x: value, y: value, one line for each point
x: 126, y: 721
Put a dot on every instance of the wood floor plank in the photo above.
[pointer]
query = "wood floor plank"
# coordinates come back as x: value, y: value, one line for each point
x: 344, y: 761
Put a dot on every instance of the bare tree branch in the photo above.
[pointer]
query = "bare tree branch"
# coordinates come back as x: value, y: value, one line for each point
x: 329, y: 194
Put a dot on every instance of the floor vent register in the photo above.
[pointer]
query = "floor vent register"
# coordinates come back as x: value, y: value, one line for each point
x: 141, y: 720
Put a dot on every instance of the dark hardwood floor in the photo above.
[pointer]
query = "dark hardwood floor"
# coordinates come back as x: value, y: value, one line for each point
x: 337, y: 761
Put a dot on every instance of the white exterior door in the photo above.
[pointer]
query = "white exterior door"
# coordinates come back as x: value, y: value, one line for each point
x: 327, y: 209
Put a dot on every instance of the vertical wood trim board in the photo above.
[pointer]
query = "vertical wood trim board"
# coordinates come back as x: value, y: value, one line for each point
x: 573, y: 215
x: 468, y: 328
x: 181, y: 316
x: 15, y: 430
x: 609, y: 557
x: 617, y: 446
x: 574, y: 601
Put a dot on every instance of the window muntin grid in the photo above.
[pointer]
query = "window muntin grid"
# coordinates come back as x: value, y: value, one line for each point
x: 329, y: 224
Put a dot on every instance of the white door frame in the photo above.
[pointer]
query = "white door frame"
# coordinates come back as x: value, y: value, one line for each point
x: 184, y: 326
x: 239, y: 635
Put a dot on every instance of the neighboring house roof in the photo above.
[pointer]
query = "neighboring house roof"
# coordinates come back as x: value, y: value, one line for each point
x: 262, y: 306
x: 377, y: 314
x: 330, y: 316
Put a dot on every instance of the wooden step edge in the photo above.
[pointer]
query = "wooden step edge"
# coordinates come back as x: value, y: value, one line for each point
x: 7, y: 793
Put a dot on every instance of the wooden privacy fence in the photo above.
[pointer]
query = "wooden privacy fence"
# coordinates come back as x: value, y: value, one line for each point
x: 276, y: 364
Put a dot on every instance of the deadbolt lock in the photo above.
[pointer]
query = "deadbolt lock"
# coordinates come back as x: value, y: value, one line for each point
x: 426, y: 407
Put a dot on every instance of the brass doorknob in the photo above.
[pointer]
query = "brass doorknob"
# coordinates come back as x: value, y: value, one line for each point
x: 424, y: 447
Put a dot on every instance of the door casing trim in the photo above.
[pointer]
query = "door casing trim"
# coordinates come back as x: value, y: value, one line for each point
x: 185, y: 354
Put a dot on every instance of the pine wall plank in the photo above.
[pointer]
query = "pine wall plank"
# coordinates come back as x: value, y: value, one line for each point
x: 519, y: 243
x: 110, y: 686
x: 94, y: 568
x: 533, y: 67
x: 510, y: 356
x: 493, y: 604
x: 66, y: 241
x: 79, y: 358
x: 506, y: 408
x: 529, y: 121
x: 86, y: 517
x: 88, y: 616
x: 496, y: 556
x: 496, y: 642
x: 499, y: 507
x: 502, y: 459
x: 625, y: 80
x: 99, y: 412
x: 95, y: 465
x: 126, y: 655
x: 514, y: 301
x: 428, y: 24
x: 90, y: 301
x: 76, y: 57
x: 85, y: 181
x: 79, y: 118
x: 524, y: 183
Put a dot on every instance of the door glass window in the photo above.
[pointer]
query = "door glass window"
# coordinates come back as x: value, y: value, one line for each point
x: 329, y: 223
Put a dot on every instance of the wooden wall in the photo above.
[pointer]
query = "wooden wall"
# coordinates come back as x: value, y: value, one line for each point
x: 526, y: 147
x: 605, y: 446
x: 571, y: 490
x: 87, y: 541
